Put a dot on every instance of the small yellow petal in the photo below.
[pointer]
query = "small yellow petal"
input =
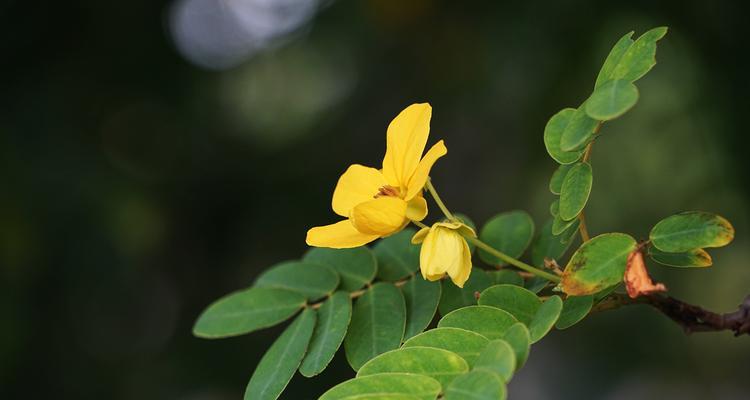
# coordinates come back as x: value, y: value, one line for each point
x: 406, y: 139
x: 357, y: 185
x: 416, y: 209
x: 382, y: 216
x: 460, y: 275
x: 341, y: 235
x: 419, y: 236
x: 428, y: 255
x: 419, y: 178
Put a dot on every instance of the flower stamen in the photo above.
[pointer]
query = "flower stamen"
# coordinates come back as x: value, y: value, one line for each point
x: 387, y: 190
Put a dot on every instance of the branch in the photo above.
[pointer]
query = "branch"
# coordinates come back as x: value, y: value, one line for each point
x: 690, y: 317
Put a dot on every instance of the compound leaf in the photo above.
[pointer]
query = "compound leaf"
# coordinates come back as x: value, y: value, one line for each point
x: 575, y: 191
x: 498, y: 356
x: 466, y: 344
x: 518, y: 301
x: 440, y: 364
x: 597, y: 264
x: 377, y: 325
x: 333, y: 320
x: 553, y: 133
x: 422, y: 298
x: 397, y: 257
x: 691, y: 230
x: 575, y: 308
x: 356, y: 267
x: 519, y: 339
x: 611, y: 100
x: 309, y: 279
x: 545, y: 318
x: 247, y: 311
x: 489, y: 322
x: 691, y: 258
x: 510, y: 232
x: 579, y: 131
x: 278, y: 365
x: 424, y: 387
x: 476, y: 385
x: 454, y: 297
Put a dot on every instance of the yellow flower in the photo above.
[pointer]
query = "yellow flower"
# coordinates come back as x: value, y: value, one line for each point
x: 445, y: 251
x: 379, y: 203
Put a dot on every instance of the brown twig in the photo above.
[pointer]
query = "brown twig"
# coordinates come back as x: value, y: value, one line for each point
x: 690, y: 317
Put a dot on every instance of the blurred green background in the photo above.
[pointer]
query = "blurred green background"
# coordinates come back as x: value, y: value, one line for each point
x: 159, y: 154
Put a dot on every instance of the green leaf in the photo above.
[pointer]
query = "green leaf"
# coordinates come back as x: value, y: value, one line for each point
x: 476, y: 385
x: 520, y: 302
x: 509, y: 232
x: 422, y: 298
x: 691, y: 230
x: 519, y: 339
x: 505, y: 276
x: 455, y: 297
x: 611, y: 100
x: 554, y: 208
x: 356, y: 267
x: 397, y: 257
x: 498, y: 357
x: 563, y: 228
x: 385, y: 396
x: 640, y: 57
x: 599, y: 296
x: 377, y: 326
x: 570, y: 233
x: 333, y: 320
x: 553, y: 134
x: 555, y: 183
x: 545, y: 318
x: 575, y: 191
x: 579, y: 131
x: 691, y: 258
x: 597, y: 264
x: 424, y: 387
x: 622, y: 45
x: 278, y: 365
x: 466, y: 344
x: 489, y: 322
x: 442, y: 365
x: 548, y: 245
x: 247, y: 311
x: 311, y: 280
x: 535, y: 284
x: 575, y: 308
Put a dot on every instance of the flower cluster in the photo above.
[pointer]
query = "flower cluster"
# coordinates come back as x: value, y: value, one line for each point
x: 378, y: 203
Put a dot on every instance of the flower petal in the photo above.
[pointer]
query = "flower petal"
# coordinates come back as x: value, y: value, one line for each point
x: 419, y: 236
x: 406, y: 139
x: 341, y: 235
x: 357, y: 185
x: 382, y: 216
x: 428, y: 256
x: 422, y: 172
x: 416, y: 209
x: 461, y: 273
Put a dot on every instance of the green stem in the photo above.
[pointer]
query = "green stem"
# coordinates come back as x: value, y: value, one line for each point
x: 419, y: 224
x: 512, y: 261
x: 439, y: 201
x: 484, y: 246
